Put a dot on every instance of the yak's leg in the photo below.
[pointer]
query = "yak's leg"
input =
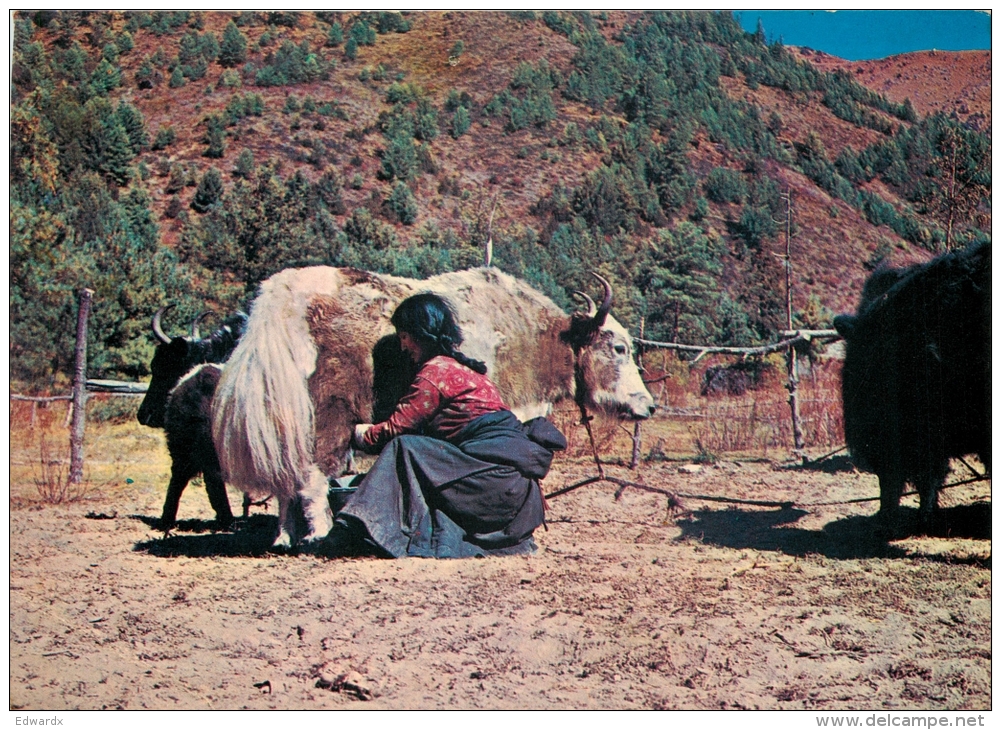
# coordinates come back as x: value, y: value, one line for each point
x: 216, y: 488
x: 179, y: 478
x: 286, y: 524
x: 316, y: 506
x: 891, y: 487
x: 928, y: 486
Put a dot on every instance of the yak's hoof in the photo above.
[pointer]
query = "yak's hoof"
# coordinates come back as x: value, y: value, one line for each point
x: 282, y: 543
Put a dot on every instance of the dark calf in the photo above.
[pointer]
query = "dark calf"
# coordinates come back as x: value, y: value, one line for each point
x: 188, y: 425
x: 181, y: 404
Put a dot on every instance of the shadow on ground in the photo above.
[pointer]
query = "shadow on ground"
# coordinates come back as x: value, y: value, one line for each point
x: 250, y: 537
x: 845, y: 539
x: 831, y: 465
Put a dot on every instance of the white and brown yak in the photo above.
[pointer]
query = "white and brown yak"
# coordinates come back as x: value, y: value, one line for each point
x: 319, y: 355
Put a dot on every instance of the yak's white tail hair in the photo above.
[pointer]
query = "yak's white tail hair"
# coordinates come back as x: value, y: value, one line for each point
x: 262, y: 413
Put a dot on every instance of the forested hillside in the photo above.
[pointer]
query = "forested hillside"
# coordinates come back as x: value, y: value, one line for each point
x: 182, y: 157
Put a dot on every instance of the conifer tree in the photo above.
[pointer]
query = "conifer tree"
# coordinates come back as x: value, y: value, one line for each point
x: 233, y: 49
x: 209, y: 191
x: 215, y: 137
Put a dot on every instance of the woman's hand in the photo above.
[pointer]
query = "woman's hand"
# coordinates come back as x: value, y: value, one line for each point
x: 360, y: 430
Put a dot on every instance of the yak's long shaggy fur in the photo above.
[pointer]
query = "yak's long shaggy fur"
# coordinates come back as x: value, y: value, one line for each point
x: 262, y: 420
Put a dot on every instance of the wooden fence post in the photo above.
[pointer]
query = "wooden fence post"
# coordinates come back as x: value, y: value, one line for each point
x: 79, y: 390
x: 637, y: 436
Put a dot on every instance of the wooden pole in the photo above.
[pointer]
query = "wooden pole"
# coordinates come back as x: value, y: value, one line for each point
x: 791, y: 359
x: 637, y: 436
x: 79, y: 390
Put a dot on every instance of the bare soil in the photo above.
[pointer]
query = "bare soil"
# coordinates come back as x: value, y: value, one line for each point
x: 625, y: 605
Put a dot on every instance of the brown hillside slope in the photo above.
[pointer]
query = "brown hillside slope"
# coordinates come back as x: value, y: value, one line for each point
x: 516, y: 169
x: 934, y: 81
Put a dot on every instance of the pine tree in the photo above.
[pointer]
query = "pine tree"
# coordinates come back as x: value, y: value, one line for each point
x: 132, y: 121
x: 233, y: 49
x: 209, y: 191
x: 244, y: 165
x: 460, y: 122
x: 177, y: 79
x: 351, y: 49
x: 215, y: 137
x: 401, y: 202
x: 335, y: 36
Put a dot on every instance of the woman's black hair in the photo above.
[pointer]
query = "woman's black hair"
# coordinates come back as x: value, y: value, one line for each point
x: 430, y: 320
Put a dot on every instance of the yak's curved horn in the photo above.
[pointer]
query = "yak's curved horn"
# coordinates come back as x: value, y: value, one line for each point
x: 195, y: 334
x: 592, y: 308
x: 606, y: 304
x: 157, y: 329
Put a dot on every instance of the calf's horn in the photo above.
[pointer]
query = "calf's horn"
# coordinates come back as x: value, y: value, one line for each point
x: 157, y: 329
x: 195, y: 334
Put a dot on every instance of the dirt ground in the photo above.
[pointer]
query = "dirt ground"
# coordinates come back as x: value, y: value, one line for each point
x: 730, y: 605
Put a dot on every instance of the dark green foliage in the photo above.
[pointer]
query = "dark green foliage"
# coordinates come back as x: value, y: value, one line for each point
x: 362, y: 33
x: 351, y: 49
x: 399, y: 159
x: 460, y: 122
x: 403, y: 93
x: 240, y: 106
x: 72, y: 63
x: 335, y: 36
x: 163, y: 22
x: 756, y: 224
x: 677, y: 277
x: 244, y: 165
x: 262, y: 227
x: 330, y: 190
x: 560, y: 23
x: 292, y: 64
x: 391, y: 22
x: 528, y: 101
x: 233, y: 49
x: 105, y: 143
x: 456, y: 99
x: 105, y: 78
x: 177, y: 79
x: 147, y: 76
x: 402, y: 204
x: 209, y: 191
x: 725, y: 186
x: 215, y: 136
x: 425, y: 121
x: 131, y: 120
x: 68, y: 230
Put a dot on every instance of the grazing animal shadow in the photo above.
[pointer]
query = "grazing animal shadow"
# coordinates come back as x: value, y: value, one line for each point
x: 251, y: 537
x: 845, y: 539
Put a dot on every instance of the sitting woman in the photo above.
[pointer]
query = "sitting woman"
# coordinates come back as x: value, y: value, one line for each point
x: 458, y: 473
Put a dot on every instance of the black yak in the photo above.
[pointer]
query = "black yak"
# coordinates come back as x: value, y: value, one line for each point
x: 179, y: 399
x: 188, y: 427
x: 916, y: 380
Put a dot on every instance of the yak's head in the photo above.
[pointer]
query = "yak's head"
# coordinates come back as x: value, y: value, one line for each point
x: 172, y: 359
x: 605, y: 372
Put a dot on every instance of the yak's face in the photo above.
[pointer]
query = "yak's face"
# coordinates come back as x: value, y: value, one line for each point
x: 611, y: 380
x: 170, y: 362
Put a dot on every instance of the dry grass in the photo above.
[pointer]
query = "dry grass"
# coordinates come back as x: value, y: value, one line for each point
x: 116, y: 454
